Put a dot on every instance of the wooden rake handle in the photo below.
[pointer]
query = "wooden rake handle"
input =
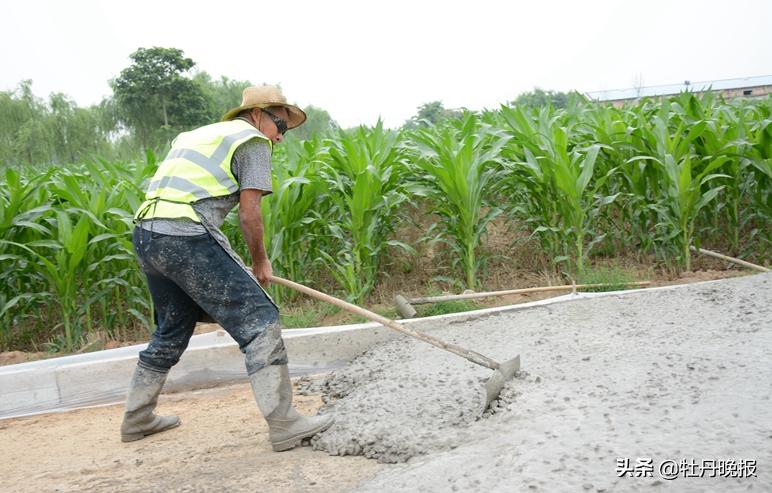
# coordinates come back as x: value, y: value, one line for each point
x: 472, y: 356
x: 737, y: 261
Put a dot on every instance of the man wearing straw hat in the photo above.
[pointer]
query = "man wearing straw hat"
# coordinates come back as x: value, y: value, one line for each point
x: 193, y: 273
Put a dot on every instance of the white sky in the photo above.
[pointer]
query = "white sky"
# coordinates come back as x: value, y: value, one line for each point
x: 360, y: 59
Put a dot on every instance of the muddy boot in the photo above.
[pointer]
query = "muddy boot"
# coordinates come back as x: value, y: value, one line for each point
x: 273, y: 393
x: 139, y: 420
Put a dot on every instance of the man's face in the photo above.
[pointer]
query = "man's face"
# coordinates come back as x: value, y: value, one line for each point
x: 271, y: 122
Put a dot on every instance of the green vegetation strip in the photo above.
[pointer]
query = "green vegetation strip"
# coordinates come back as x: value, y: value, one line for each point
x: 653, y: 178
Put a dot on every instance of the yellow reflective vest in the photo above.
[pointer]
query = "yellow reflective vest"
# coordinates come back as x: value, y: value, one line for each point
x: 197, y: 167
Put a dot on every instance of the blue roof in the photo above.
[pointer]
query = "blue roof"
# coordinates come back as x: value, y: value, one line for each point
x: 716, y: 85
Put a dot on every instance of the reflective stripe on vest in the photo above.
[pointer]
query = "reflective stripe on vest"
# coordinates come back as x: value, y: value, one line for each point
x: 197, y: 167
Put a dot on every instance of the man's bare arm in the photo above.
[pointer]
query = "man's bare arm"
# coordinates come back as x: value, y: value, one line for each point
x: 251, y: 222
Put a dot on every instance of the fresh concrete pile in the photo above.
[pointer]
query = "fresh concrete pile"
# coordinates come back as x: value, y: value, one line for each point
x: 396, y: 402
x: 667, y: 375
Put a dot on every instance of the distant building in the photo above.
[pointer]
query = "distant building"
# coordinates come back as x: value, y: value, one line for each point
x: 748, y: 87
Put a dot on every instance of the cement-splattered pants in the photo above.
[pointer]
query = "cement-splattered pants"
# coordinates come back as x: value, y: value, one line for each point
x: 190, y: 276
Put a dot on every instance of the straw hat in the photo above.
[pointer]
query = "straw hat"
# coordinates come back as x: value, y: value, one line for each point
x: 263, y: 97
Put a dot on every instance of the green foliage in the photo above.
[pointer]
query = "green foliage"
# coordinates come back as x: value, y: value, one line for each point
x: 34, y: 131
x: 221, y: 95
x: 539, y: 98
x: 66, y: 251
x: 155, y: 98
x: 663, y: 176
x: 445, y: 307
x: 319, y: 123
x: 561, y: 198
x: 456, y: 167
x: 364, y: 177
x: 431, y: 114
x: 307, y: 315
x: 616, y: 277
x: 301, y: 319
x: 650, y: 178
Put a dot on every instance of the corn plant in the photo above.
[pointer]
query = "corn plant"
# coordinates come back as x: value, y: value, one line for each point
x: 686, y: 178
x: 614, y: 131
x: 757, y: 161
x: 62, y: 273
x: 458, y: 164
x: 724, y: 135
x: 66, y: 237
x: 653, y: 177
x: 364, y: 177
x: 23, y: 202
x: 562, y: 199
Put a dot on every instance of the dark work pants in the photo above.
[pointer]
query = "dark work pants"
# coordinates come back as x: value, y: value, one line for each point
x: 189, y: 276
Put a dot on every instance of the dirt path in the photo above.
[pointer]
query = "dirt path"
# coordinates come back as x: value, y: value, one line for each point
x: 222, y: 445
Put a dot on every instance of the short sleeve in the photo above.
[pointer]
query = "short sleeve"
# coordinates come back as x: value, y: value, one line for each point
x: 251, y: 165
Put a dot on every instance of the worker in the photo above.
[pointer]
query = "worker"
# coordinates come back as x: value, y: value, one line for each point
x: 193, y: 273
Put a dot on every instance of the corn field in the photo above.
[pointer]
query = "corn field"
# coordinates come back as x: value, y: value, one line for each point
x: 649, y: 179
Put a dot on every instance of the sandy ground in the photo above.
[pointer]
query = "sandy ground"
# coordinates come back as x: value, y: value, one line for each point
x: 672, y: 375
x: 222, y: 445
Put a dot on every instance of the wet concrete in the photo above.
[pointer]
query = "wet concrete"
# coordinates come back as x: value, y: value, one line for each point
x: 396, y: 402
x: 667, y: 375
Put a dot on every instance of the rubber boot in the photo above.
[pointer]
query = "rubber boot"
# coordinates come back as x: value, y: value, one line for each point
x: 273, y: 394
x: 139, y: 420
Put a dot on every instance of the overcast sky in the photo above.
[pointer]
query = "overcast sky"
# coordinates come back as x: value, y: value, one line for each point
x: 360, y: 60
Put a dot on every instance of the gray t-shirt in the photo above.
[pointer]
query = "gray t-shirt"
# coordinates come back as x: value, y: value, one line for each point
x: 251, y: 165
